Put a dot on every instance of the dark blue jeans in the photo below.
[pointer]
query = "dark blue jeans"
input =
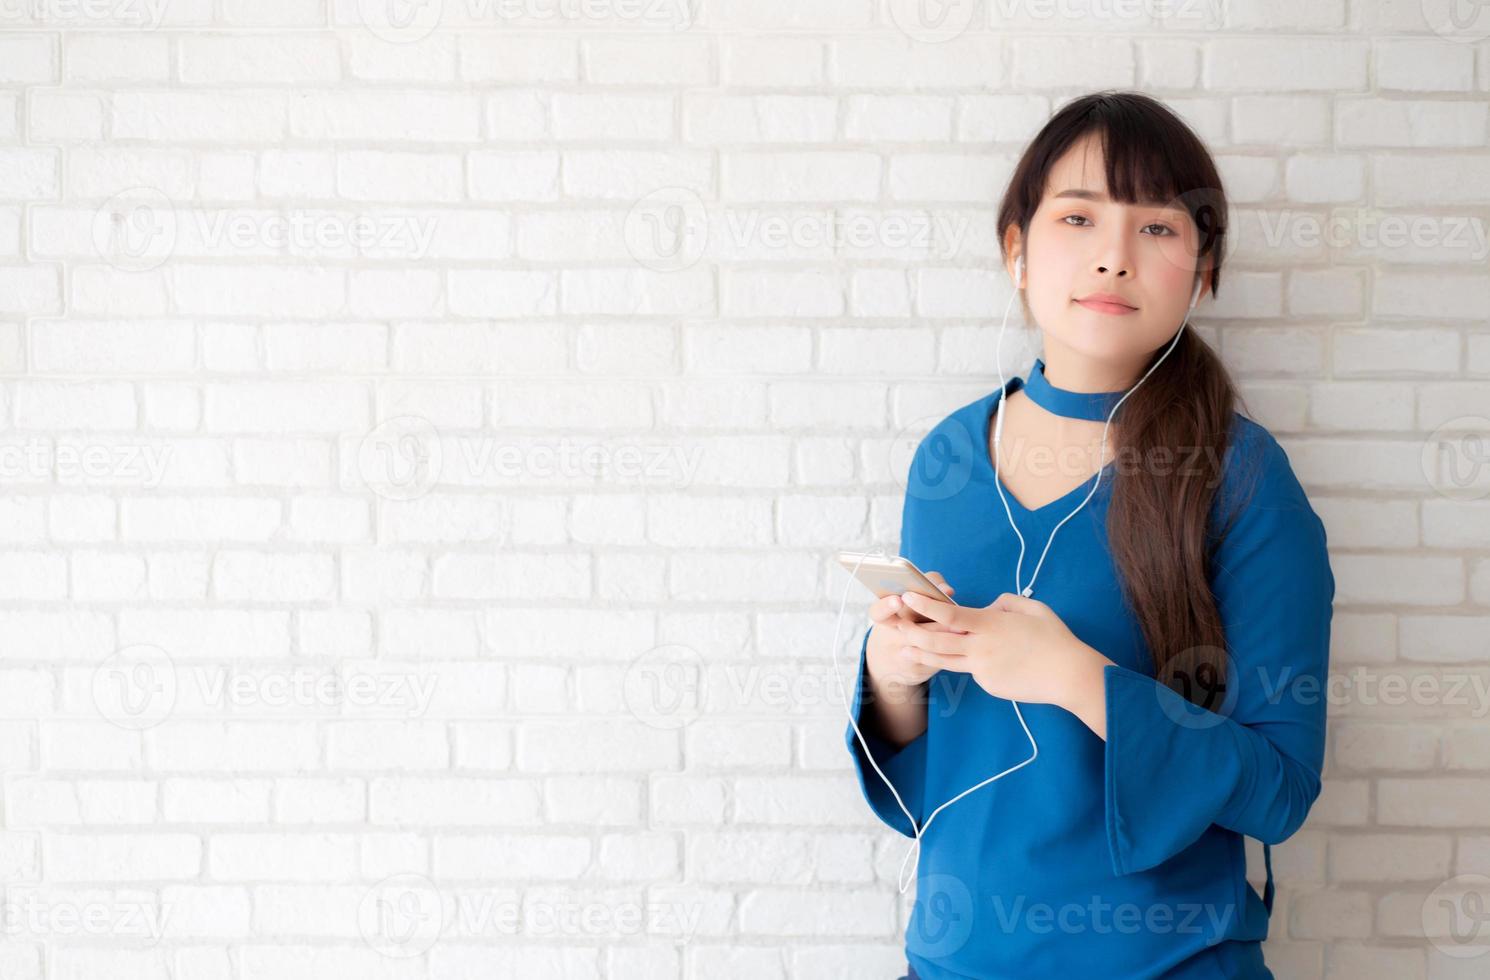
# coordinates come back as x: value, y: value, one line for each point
x: 910, y: 973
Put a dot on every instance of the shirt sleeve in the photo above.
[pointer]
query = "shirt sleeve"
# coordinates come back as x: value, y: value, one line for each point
x: 1252, y: 765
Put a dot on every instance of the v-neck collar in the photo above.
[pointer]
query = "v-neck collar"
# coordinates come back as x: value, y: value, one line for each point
x: 1068, y: 499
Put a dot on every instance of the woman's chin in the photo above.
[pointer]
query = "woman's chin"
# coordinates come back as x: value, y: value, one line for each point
x: 1098, y: 336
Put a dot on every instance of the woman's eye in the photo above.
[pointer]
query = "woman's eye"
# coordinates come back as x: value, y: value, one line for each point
x: 1164, y: 230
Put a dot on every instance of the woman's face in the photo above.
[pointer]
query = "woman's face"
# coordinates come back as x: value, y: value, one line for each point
x: 1082, y: 243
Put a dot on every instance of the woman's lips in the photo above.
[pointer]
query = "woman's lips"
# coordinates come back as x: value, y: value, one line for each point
x: 1116, y: 309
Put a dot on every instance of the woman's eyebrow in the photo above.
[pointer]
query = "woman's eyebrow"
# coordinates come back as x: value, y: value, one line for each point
x: 1083, y: 193
x: 1101, y: 196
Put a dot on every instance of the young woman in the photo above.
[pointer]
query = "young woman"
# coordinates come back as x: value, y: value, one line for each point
x: 1147, y: 675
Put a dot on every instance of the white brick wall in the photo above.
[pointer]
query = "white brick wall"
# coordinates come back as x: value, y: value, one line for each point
x: 424, y: 442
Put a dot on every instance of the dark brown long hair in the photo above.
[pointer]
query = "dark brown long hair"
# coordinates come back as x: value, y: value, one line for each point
x: 1158, y: 516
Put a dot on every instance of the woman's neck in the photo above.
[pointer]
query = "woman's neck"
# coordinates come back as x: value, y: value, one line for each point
x: 1073, y: 371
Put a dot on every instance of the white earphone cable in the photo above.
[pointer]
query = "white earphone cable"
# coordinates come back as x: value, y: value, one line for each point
x: 901, y: 879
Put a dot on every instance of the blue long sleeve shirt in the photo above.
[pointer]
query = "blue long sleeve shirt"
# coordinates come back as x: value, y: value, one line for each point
x: 1121, y: 858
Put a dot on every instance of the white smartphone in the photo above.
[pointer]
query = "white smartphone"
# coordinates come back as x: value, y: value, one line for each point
x: 892, y: 576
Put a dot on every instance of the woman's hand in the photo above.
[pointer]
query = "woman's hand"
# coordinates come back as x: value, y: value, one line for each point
x: 1016, y: 648
x: 882, y: 655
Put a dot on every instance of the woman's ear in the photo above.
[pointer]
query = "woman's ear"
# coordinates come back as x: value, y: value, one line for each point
x: 1014, y: 246
x: 1202, y: 284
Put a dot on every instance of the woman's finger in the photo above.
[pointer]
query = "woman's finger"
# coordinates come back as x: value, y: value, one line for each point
x: 888, y: 609
x: 930, y: 658
x: 941, y: 640
x: 940, y: 582
x: 947, y: 613
x: 909, y: 615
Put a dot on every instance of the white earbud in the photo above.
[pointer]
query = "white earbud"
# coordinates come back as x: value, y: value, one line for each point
x: 1195, y: 293
x: 1019, y: 271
